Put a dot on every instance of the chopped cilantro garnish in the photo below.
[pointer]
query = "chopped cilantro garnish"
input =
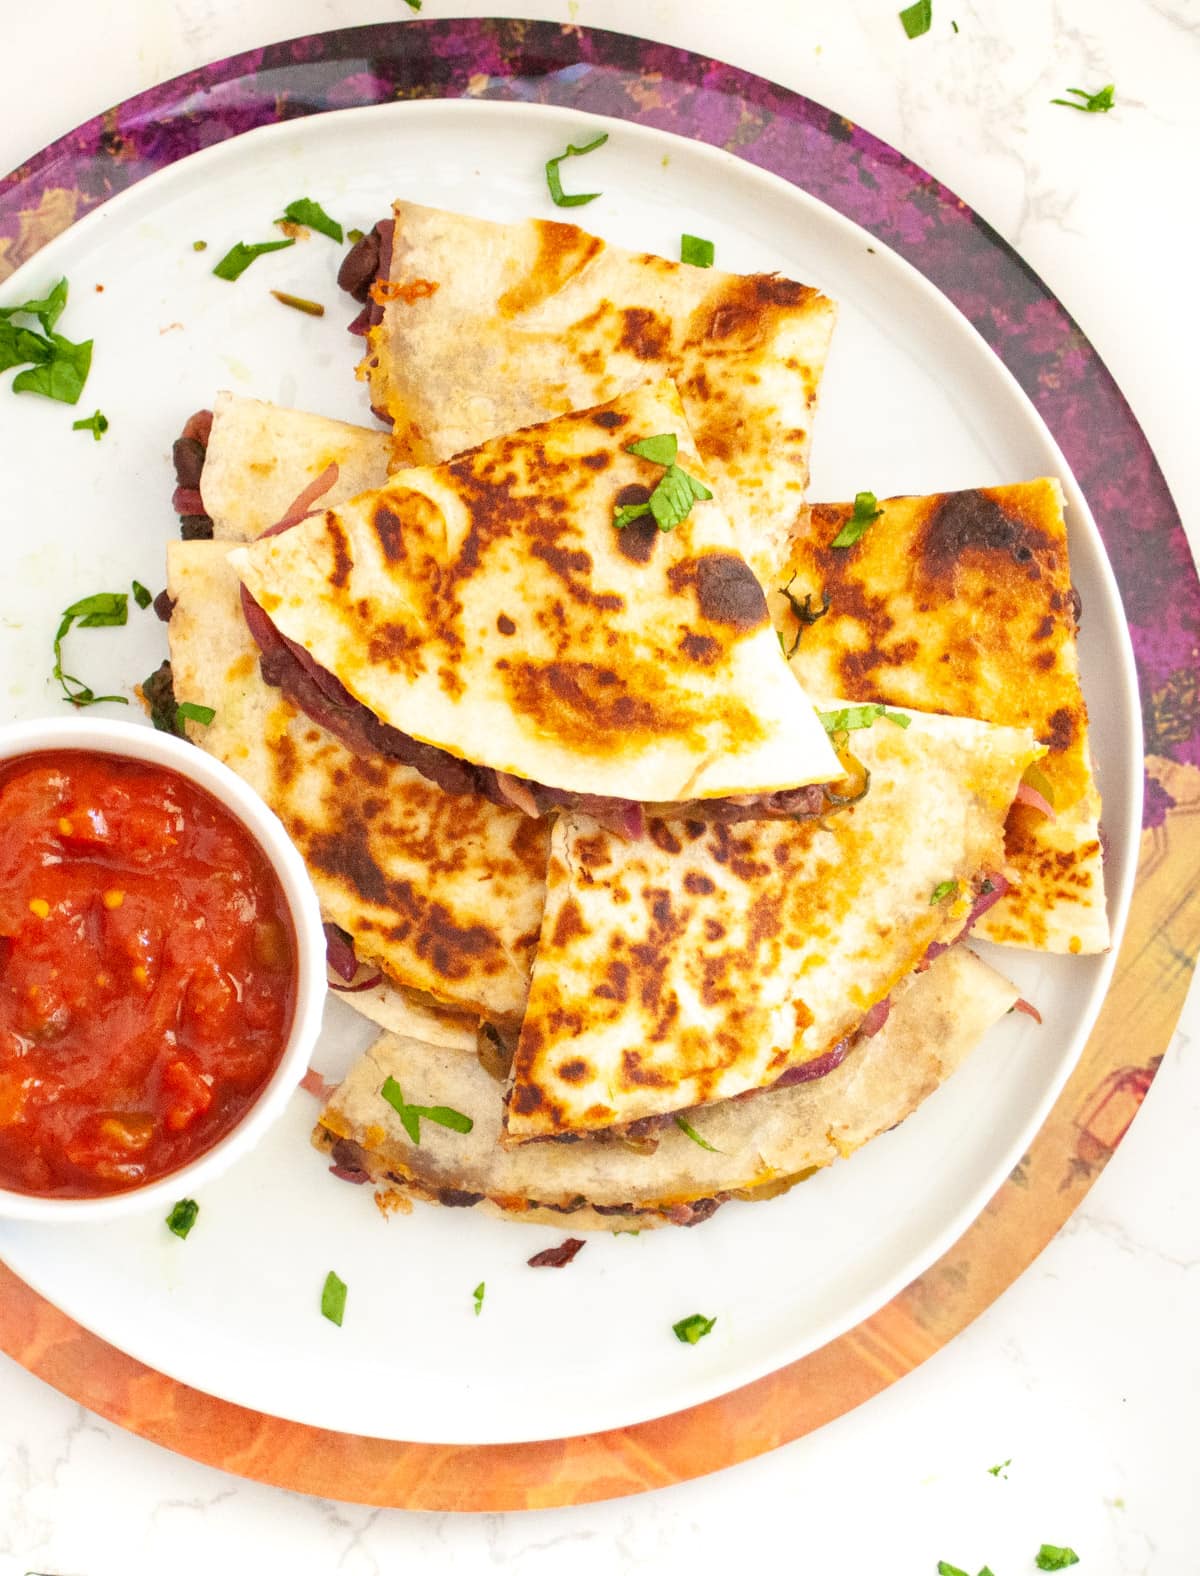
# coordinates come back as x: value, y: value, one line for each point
x: 183, y: 1216
x: 1051, y: 1558
x: 413, y: 5
x: 659, y: 450
x: 61, y: 375
x: 1000, y: 1465
x: 1097, y: 103
x: 104, y: 610
x: 946, y: 1569
x: 54, y: 366
x: 410, y: 1115
x: 313, y: 217
x: 918, y: 18
x: 21, y: 345
x: 239, y: 257
x: 692, y: 1329
x: 696, y: 250
x: 199, y: 246
x: 805, y: 613
x: 866, y: 510
x: 189, y: 711
x: 301, y: 303
x: 687, y: 1129
x: 954, y: 25
x: 96, y: 424
x: 48, y: 309
x: 850, y: 718
x: 949, y: 889
x: 354, y: 236
x: 672, y: 500
x: 333, y: 1299
x: 141, y: 596
x: 558, y: 197
x: 478, y: 1296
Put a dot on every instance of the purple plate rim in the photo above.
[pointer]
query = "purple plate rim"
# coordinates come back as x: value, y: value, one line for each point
x: 815, y: 149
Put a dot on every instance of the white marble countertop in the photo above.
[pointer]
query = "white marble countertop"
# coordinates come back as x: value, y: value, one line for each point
x: 1086, y: 1373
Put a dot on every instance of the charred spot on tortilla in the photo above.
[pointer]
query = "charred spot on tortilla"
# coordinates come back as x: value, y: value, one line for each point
x: 584, y: 702
x: 966, y: 522
x: 1062, y: 730
x: 636, y: 540
x: 635, y: 1072
x: 563, y: 252
x: 745, y: 304
x: 700, y: 648
x: 644, y: 333
x: 575, y: 1071
x: 698, y: 885
x: 610, y: 419
x: 726, y: 590
x: 569, y: 924
x: 572, y: 565
x: 505, y: 624
x: 599, y: 461
x: 343, y: 559
x: 662, y: 836
x: 390, y: 533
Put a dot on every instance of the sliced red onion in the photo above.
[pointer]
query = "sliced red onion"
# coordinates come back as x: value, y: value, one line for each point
x: 302, y: 505
x: 312, y: 1083
x: 187, y: 500
x: 339, y: 953
x: 518, y: 793
x: 1027, y: 1007
x: 1036, y: 801
x: 817, y: 1068
x: 199, y: 427
x: 368, y: 984
x: 876, y: 1018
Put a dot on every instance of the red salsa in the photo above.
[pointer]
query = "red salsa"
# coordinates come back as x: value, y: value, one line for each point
x: 147, y: 972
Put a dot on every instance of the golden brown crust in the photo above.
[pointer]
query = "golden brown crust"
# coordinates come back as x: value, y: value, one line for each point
x: 535, y: 319
x: 488, y: 606
x: 445, y: 894
x: 962, y: 603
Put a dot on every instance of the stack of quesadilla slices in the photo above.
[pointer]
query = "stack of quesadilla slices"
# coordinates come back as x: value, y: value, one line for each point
x: 659, y: 931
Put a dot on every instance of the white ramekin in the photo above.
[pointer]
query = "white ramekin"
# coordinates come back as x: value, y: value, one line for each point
x: 163, y: 749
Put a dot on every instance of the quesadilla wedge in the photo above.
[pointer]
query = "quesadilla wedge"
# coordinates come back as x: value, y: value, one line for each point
x: 442, y: 895
x: 475, y: 329
x: 704, y: 960
x: 260, y: 458
x: 492, y: 611
x: 752, y: 1148
x: 962, y: 603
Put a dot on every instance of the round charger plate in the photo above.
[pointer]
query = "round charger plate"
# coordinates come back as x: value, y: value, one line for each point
x: 851, y: 172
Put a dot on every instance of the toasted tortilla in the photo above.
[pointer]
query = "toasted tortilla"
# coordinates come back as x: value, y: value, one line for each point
x: 490, y: 327
x: 260, y: 457
x: 443, y: 894
x: 490, y: 607
x: 962, y: 603
x: 759, y: 1145
x: 705, y: 960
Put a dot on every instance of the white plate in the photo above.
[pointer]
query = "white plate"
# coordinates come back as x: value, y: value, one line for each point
x: 913, y: 402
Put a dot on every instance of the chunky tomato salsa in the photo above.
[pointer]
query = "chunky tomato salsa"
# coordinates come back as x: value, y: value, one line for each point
x: 147, y: 972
